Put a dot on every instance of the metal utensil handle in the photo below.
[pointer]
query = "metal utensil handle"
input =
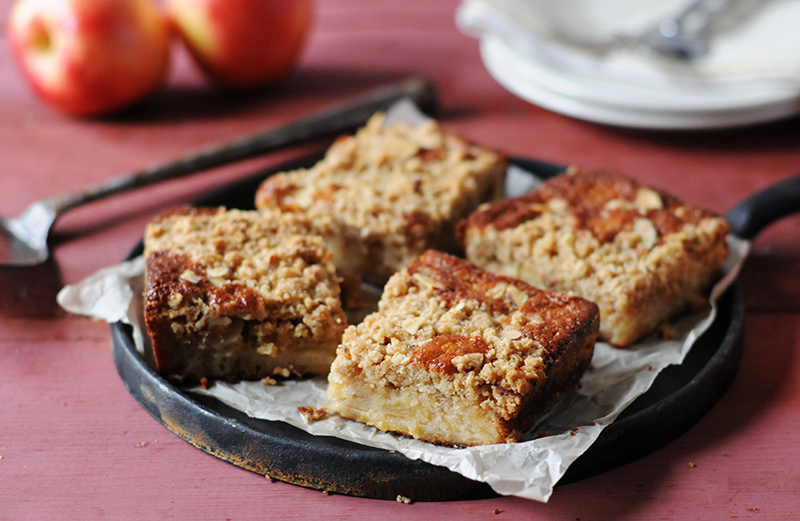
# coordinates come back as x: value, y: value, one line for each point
x: 763, y: 208
x: 338, y: 119
x: 698, y: 17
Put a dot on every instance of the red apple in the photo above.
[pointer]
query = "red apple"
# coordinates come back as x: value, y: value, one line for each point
x: 90, y: 57
x: 243, y: 43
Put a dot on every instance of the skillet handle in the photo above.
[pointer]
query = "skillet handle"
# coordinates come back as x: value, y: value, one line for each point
x: 541, y: 169
x: 761, y: 209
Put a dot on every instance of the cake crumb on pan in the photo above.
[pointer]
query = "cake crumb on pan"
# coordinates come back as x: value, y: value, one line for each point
x: 311, y: 414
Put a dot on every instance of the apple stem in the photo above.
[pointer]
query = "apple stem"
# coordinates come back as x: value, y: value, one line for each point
x: 39, y: 37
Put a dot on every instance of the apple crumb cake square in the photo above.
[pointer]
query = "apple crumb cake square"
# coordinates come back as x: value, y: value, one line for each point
x: 641, y: 254
x: 384, y: 195
x: 459, y: 356
x: 233, y: 295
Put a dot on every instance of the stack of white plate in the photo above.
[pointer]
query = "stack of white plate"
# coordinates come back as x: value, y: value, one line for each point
x: 751, y: 75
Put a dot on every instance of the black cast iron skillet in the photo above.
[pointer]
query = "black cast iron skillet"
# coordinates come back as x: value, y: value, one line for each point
x: 679, y: 397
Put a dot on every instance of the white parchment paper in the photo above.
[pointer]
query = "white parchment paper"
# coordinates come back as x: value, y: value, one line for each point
x: 529, y: 469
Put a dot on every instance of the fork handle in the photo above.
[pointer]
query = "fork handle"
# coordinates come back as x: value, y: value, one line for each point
x: 698, y: 17
x: 338, y: 119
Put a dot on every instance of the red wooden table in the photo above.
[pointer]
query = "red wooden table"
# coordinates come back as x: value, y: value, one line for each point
x: 75, y: 445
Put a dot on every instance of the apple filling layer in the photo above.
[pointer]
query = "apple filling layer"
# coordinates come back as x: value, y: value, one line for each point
x: 420, y: 410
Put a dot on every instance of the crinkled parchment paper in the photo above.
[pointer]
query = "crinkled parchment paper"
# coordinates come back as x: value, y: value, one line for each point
x: 529, y: 469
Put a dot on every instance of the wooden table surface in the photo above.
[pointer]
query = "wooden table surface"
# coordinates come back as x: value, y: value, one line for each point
x: 75, y: 445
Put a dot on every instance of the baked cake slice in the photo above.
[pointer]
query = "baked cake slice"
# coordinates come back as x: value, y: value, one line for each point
x: 456, y: 355
x: 383, y: 196
x: 233, y: 295
x: 641, y: 254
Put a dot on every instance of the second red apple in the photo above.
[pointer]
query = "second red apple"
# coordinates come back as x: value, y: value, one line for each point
x: 243, y: 43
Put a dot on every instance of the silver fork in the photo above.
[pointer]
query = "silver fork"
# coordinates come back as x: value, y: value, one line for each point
x: 23, y: 239
x: 686, y: 35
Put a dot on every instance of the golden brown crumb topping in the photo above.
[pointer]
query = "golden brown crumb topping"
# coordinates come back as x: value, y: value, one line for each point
x: 602, y: 202
x: 242, y: 263
x: 180, y: 276
x: 385, y: 179
x: 453, y: 280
